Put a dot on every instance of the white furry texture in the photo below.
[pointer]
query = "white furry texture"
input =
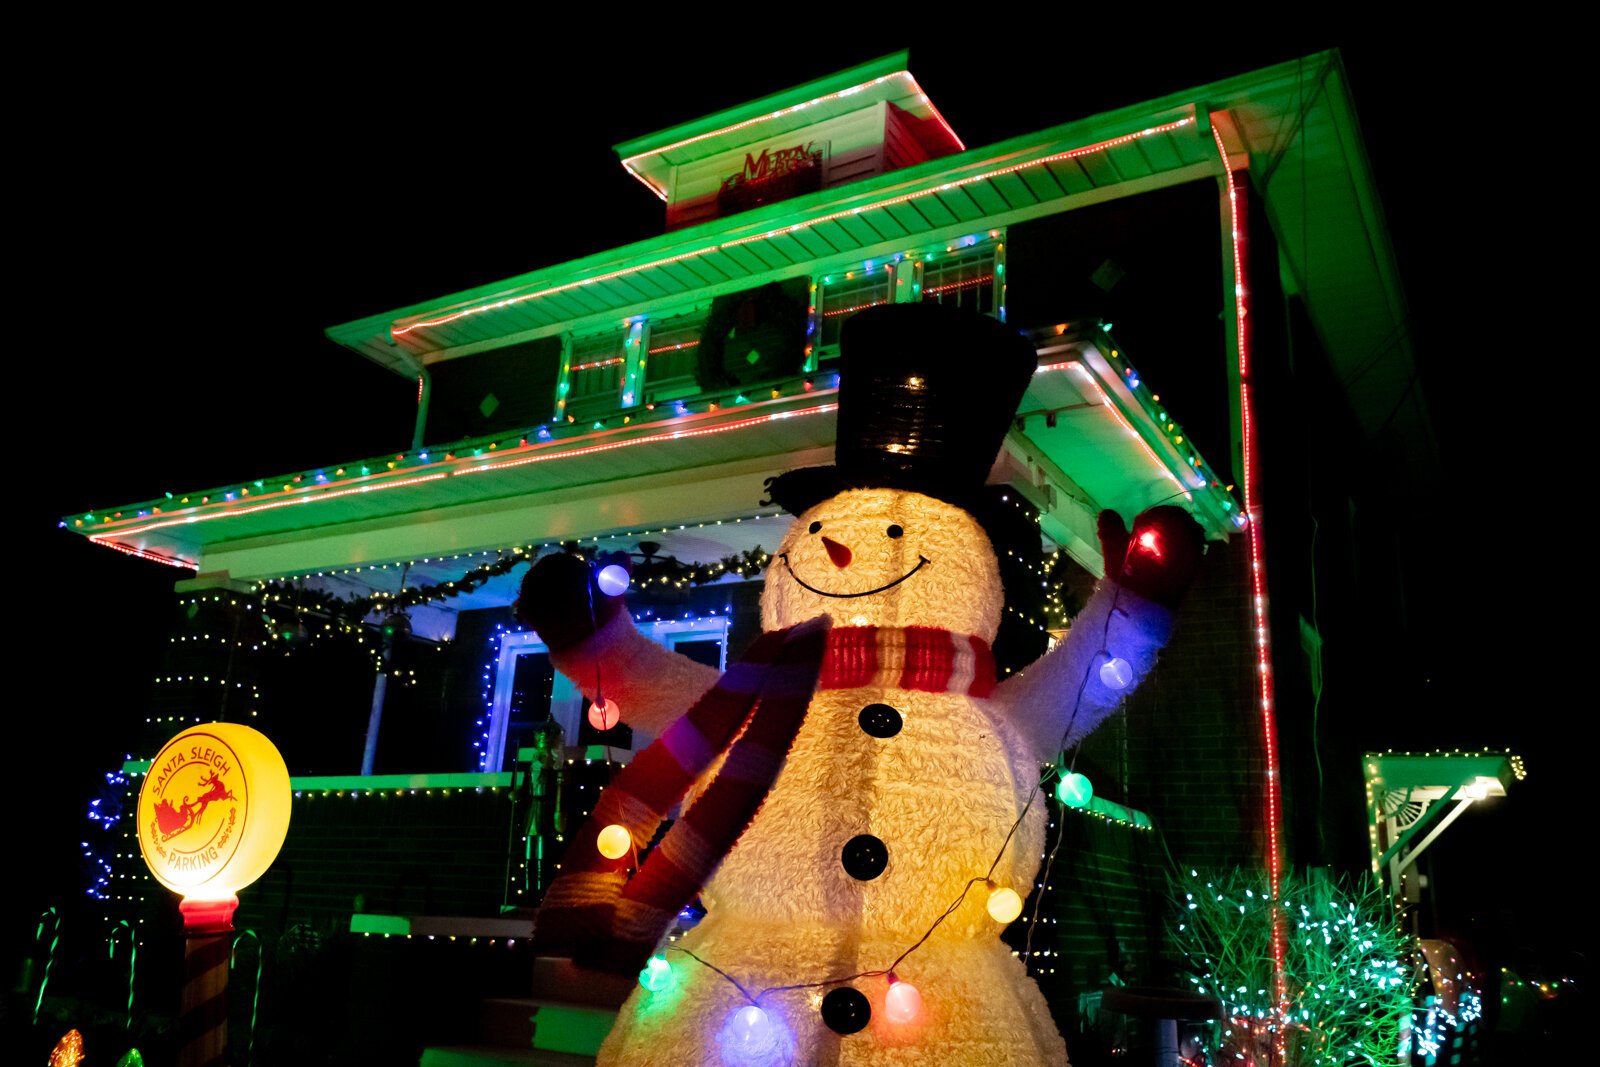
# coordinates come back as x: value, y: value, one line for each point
x: 957, y: 589
x: 1040, y: 701
x: 941, y: 794
x: 650, y: 684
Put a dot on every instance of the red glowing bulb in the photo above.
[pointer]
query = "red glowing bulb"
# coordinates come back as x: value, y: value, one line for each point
x: 605, y: 714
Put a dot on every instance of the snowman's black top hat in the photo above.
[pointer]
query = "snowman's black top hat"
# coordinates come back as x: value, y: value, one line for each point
x: 926, y: 394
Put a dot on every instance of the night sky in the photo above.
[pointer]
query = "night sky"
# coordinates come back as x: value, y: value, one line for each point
x: 192, y: 218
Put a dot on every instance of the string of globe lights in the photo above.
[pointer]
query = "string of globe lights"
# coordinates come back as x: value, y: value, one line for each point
x: 749, y: 1028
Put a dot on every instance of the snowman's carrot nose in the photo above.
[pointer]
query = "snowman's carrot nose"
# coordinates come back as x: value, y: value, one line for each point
x: 837, y: 552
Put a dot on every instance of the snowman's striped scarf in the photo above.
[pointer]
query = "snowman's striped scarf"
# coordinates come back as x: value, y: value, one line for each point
x: 593, y: 911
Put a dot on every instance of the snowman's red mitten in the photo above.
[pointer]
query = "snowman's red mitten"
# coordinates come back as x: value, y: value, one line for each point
x: 561, y: 600
x: 1159, y: 559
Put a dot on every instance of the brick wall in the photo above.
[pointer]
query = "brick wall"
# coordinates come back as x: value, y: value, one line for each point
x: 1186, y: 751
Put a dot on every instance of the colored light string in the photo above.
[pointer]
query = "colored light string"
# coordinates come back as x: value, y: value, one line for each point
x: 139, y: 553
x: 510, y: 301
x: 326, y: 490
x: 987, y: 878
x: 671, y: 436
x: 1269, y: 729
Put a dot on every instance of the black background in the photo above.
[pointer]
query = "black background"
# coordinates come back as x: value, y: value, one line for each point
x: 197, y: 202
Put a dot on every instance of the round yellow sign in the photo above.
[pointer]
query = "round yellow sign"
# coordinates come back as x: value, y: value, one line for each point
x: 214, y: 810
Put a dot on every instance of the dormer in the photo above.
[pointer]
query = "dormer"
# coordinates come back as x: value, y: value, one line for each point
x: 848, y: 126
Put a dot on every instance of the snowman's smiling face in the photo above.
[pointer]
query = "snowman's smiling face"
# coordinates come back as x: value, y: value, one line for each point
x: 885, y: 557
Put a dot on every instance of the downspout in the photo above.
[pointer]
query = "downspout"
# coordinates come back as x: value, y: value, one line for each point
x: 424, y: 394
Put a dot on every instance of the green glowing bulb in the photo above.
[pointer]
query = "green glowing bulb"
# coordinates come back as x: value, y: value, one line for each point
x: 1075, y: 790
x: 657, y: 975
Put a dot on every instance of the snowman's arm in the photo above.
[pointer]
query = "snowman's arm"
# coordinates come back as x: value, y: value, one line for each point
x: 651, y: 684
x: 1060, y: 698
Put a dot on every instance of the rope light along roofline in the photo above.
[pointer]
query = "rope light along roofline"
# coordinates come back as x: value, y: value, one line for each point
x: 1100, y: 146
x: 1127, y: 426
x: 922, y: 98
x: 154, y: 557
x: 325, y: 488
x: 477, y: 465
x: 671, y: 436
x: 1248, y: 478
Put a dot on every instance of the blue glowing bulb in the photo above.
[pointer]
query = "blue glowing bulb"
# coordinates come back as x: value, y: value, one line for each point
x: 750, y: 1030
x: 612, y: 580
x: 1116, y: 673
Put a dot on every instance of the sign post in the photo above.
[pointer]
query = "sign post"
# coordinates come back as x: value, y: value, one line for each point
x: 213, y: 813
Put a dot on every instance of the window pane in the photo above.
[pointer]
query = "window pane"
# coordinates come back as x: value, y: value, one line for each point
x: 965, y: 281
x: 531, y: 682
x: 672, y: 358
x: 595, y: 380
x: 841, y: 298
x: 706, y: 650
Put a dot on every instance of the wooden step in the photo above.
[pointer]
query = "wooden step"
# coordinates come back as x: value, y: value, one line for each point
x: 559, y: 980
x: 506, y: 1021
x: 544, y: 1023
x: 567, y: 1027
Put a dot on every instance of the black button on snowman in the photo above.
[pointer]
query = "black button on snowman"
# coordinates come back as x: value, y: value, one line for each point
x: 880, y: 720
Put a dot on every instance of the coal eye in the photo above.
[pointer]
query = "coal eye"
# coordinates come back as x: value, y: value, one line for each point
x: 816, y: 527
x: 894, y: 530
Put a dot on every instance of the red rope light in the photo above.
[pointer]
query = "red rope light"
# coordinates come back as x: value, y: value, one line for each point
x: 672, y: 348
x: 957, y: 285
x: 1250, y: 476
x: 598, y: 363
x: 153, y: 557
x: 1101, y: 146
x: 848, y: 310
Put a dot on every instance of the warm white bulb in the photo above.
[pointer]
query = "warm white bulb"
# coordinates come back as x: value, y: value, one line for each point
x: 1004, y: 904
x: 614, y: 842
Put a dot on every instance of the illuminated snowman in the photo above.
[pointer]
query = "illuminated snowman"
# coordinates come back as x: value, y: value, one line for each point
x: 905, y: 814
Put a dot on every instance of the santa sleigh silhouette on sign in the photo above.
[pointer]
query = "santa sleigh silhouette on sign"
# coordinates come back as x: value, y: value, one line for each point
x: 173, y: 821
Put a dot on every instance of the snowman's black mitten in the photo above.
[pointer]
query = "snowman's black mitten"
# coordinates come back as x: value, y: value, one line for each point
x: 1159, y: 559
x: 560, y: 600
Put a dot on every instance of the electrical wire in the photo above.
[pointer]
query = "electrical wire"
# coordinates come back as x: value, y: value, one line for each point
x: 967, y: 888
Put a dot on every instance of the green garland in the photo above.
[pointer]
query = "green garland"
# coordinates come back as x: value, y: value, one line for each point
x: 652, y: 575
x: 281, y: 593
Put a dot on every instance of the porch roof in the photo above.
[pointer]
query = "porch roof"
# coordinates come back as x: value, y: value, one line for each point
x: 1089, y: 435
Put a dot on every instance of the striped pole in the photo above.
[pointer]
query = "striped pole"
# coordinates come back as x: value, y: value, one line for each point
x: 203, y: 1011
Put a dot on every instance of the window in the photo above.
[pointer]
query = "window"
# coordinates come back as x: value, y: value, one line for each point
x: 842, y: 295
x: 528, y: 691
x: 965, y: 280
x: 594, y: 378
x: 672, y: 356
